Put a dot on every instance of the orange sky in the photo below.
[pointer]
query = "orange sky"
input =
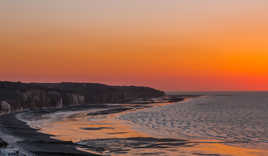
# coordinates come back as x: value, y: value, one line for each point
x: 168, y: 45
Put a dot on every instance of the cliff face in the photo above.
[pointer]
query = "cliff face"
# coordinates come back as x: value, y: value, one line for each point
x: 20, y: 96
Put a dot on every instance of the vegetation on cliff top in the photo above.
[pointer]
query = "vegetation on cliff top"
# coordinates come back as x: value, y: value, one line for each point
x: 19, y: 96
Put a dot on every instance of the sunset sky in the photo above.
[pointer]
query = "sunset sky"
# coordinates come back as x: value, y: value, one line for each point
x: 185, y: 45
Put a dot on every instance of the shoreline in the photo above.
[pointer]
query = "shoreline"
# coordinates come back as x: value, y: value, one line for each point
x: 210, y: 146
x: 33, y: 142
x: 129, y: 139
x: 29, y: 140
x: 19, y: 135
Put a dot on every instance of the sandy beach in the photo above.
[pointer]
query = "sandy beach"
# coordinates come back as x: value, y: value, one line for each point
x: 98, y: 130
x: 22, y: 130
x: 29, y: 141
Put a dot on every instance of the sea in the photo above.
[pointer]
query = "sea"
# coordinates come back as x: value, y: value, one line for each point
x: 213, y: 123
x: 227, y: 116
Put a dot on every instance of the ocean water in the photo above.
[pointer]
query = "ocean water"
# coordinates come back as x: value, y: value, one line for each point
x: 227, y: 116
x: 219, y: 123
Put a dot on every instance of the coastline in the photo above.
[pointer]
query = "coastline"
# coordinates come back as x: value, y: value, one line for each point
x: 209, y: 146
x: 30, y: 141
x: 109, y: 135
x: 18, y: 134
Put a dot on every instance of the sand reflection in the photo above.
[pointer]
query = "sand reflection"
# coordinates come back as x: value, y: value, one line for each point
x: 84, y: 128
x: 222, y: 149
x: 107, y: 135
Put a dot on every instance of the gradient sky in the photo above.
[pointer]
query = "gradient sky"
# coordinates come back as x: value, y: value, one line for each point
x: 167, y: 44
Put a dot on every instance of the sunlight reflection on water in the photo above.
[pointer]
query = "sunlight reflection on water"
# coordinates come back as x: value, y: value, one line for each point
x: 111, y: 136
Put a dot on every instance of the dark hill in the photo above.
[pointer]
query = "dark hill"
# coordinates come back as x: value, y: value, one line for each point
x: 16, y: 96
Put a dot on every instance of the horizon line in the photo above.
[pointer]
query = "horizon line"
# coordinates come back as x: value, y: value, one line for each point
x: 167, y: 91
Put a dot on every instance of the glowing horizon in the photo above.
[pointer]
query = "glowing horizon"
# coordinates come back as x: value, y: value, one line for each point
x: 171, y: 45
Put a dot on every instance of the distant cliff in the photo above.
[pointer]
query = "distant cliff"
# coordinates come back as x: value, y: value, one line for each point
x: 16, y: 96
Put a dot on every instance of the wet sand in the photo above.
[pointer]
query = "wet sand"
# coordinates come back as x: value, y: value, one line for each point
x: 17, y: 132
x: 34, y: 142
x: 30, y: 141
x: 99, y: 131
x: 102, y: 132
